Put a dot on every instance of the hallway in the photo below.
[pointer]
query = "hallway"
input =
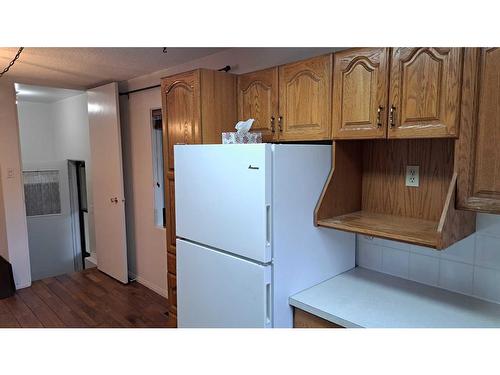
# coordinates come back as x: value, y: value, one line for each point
x: 87, y: 299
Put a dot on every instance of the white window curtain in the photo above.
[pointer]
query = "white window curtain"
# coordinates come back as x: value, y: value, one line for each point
x: 41, y: 192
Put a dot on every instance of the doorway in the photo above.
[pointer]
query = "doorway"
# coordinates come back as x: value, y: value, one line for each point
x: 55, y: 153
x: 79, y: 213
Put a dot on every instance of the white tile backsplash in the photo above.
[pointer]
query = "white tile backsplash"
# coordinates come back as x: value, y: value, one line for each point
x: 488, y: 224
x: 423, y: 269
x: 456, y: 276
x: 470, y: 266
x: 461, y: 251
x: 385, y: 243
x: 427, y: 251
x: 486, y: 283
x: 395, y: 262
x: 369, y: 255
x: 488, y: 251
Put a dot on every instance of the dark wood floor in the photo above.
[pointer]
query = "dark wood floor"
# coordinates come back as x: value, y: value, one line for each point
x: 83, y: 300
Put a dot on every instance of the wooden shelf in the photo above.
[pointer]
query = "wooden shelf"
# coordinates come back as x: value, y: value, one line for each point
x: 366, y: 192
x: 415, y: 231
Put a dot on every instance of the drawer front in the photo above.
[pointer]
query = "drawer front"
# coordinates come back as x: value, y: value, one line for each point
x: 171, y: 263
x: 302, y: 319
x: 172, y: 289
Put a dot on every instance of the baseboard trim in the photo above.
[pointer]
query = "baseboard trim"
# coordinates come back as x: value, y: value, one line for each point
x: 25, y: 284
x: 162, y: 292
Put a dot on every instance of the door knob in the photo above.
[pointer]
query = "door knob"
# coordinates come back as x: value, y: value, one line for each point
x: 114, y: 200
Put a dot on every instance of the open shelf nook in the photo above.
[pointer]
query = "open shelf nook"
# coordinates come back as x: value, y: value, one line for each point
x: 366, y: 192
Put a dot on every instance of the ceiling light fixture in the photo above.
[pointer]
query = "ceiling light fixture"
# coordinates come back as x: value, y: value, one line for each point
x: 13, y: 61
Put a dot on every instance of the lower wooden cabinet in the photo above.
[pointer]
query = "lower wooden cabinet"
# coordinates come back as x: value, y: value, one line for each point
x: 478, y: 153
x: 302, y: 319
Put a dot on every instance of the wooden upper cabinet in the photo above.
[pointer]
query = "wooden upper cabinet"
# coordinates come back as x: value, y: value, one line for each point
x: 305, y: 100
x: 258, y: 99
x: 424, y: 93
x: 181, y: 105
x: 487, y: 171
x: 479, y: 144
x: 360, y: 92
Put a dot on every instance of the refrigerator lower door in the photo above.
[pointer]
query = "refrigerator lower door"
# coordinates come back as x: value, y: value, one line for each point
x: 219, y: 290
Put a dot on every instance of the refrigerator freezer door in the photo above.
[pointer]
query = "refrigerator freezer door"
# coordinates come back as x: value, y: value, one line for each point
x: 219, y: 290
x: 223, y: 197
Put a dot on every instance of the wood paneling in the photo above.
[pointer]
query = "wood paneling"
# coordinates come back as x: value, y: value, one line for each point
x: 384, y: 172
x: 88, y: 299
x: 478, y: 153
x: 305, y: 90
x: 342, y: 191
x: 258, y: 99
x: 172, y: 289
x: 171, y: 263
x: 454, y: 224
x: 425, y: 86
x: 302, y: 319
x: 360, y: 89
x: 487, y: 167
x: 218, y: 105
x: 181, y: 111
x: 171, y: 204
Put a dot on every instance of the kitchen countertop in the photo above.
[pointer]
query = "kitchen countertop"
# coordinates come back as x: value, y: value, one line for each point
x: 365, y: 298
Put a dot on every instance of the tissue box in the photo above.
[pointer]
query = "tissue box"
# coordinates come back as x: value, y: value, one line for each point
x: 234, y: 137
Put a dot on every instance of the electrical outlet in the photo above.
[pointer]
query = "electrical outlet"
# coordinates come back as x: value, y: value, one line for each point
x: 412, y: 175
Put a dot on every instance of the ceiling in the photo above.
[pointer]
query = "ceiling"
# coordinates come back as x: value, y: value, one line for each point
x: 43, y: 94
x: 83, y: 68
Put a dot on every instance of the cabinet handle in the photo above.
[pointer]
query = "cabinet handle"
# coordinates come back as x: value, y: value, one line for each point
x: 280, y: 118
x: 272, y: 124
x: 379, y: 116
x: 392, y: 115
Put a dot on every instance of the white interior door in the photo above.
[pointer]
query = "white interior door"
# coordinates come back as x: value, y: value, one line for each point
x: 107, y: 181
x: 219, y: 290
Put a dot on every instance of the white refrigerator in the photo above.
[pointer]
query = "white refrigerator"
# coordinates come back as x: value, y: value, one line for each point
x: 245, y: 234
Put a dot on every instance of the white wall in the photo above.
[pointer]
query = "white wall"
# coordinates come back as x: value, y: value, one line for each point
x: 241, y: 60
x: 470, y: 266
x: 36, y: 131
x: 3, y: 234
x: 71, y: 135
x: 14, y: 222
x: 147, y: 257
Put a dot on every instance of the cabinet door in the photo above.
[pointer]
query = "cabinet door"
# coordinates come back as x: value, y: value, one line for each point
x: 305, y: 90
x: 258, y: 99
x: 360, y: 88
x: 424, y: 97
x: 181, y: 106
x: 479, y: 152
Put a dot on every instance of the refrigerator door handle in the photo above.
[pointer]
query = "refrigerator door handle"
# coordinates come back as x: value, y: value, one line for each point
x: 268, y: 304
x: 268, y: 225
